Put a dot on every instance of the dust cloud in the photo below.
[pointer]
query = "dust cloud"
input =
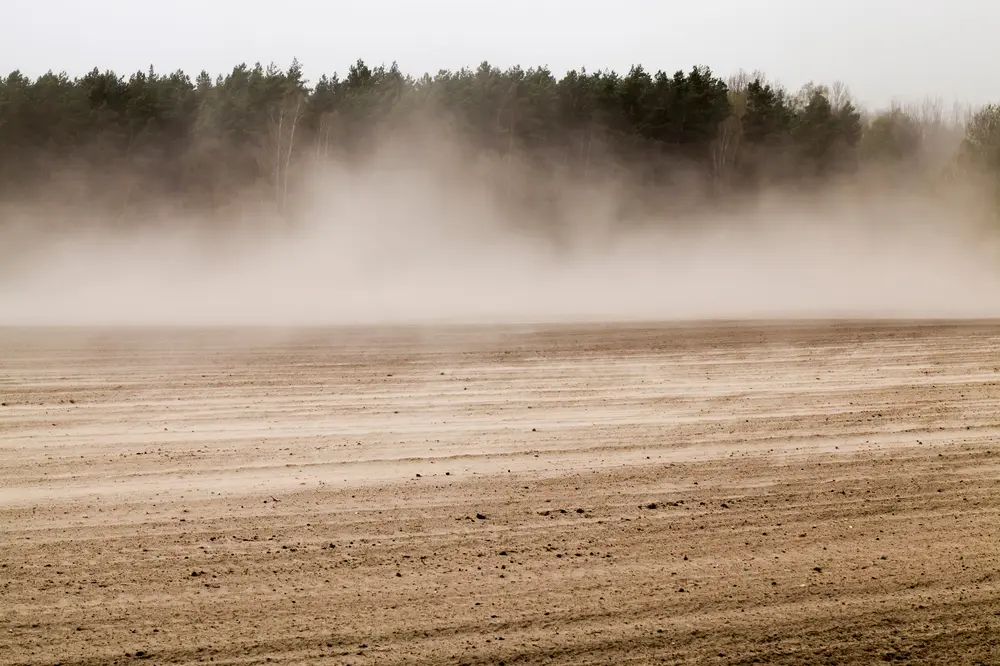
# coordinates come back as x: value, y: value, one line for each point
x: 403, y: 238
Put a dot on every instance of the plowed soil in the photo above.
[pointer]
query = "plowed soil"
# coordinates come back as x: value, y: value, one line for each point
x: 822, y: 493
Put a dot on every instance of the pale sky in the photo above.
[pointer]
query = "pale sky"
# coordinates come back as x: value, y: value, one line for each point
x: 882, y: 49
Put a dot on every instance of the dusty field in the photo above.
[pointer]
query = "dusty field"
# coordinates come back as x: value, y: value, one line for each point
x: 756, y: 494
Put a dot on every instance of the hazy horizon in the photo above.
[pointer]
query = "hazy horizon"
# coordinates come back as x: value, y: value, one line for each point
x: 884, y: 52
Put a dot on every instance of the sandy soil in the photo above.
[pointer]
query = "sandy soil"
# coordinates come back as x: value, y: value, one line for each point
x: 693, y: 495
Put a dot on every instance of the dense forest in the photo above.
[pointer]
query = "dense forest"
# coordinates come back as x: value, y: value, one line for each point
x: 117, y: 141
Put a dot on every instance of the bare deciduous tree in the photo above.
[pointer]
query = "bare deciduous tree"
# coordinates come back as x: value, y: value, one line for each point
x: 284, y: 120
x: 725, y: 151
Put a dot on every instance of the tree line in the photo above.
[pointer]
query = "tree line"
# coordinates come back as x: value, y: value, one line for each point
x: 208, y: 141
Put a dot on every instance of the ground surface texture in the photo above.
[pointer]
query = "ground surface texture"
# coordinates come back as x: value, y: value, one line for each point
x: 727, y: 494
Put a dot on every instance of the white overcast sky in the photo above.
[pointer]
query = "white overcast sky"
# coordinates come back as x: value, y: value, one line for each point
x: 882, y: 49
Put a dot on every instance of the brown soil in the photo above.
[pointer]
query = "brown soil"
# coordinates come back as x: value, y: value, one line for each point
x: 821, y: 494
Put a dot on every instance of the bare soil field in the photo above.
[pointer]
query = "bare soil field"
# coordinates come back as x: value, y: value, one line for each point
x: 823, y: 493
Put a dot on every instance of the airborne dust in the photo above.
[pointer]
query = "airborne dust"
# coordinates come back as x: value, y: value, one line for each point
x: 411, y: 236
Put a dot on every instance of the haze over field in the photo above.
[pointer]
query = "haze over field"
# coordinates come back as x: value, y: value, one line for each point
x: 414, y: 244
